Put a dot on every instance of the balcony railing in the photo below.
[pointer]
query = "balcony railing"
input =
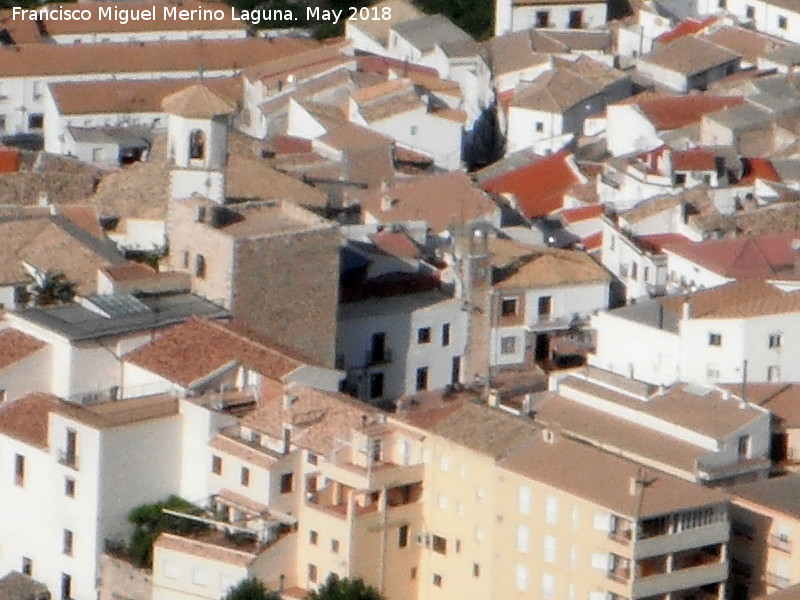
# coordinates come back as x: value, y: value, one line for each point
x: 623, y: 536
x: 779, y: 542
x: 619, y: 574
x: 776, y: 581
x: 68, y: 459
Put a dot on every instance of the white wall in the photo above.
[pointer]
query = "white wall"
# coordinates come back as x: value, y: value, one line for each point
x: 31, y: 374
x: 524, y: 17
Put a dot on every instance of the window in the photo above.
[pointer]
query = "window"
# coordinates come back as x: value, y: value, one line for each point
x: 549, y: 549
x: 635, y: 271
x: 680, y: 178
x: 422, y: 378
x: 171, y: 570
x: 444, y: 463
x: 446, y: 334
x: 244, y: 477
x: 2, y: 122
x: 437, y: 580
x: 545, y: 306
x: 424, y: 335
x: 715, y: 339
x: 508, y: 345
x: 69, y: 487
x: 744, y: 447
x: 522, y: 578
x: 287, y: 483
x: 439, y: 544
x: 216, y: 465
x: 311, y: 458
x: 476, y: 570
x: 35, y: 121
x: 313, y: 538
x: 508, y: 307
x: 750, y: 11
x: 576, y: 19
x: 723, y: 4
x: 27, y: 566
x: 782, y: 22
x: 66, y: 546
x: 775, y: 340
x: 19, y: 469
x: 458, y: 546
x: 444, y: 503
x: 539, y: 127
x: 773, y: 373
x: 185, y: 259
x: 197, y: 144
x: 335, y: 546
x: 613, y: 243
x: 376, y: 385
x: 413, y: 130
x: 413, y: 573
x: 523, y: 538
x: 712, y: 372
x: 548, y: 585
x: 542, y: 18
x: 200, y: 266
x: 255, y: 438
x: 402, y: 536
x: 524, y: 500
x: 312, y: 573
x: 551, y: 510
x: 66, y: 586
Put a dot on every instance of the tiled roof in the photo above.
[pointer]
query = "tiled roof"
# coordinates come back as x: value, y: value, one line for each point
x: 689, y: 55
x: 651, y: 207
x: 519, y: 266
x: 187, y: 56
x: 97, y: 25
x: 396, y: 243
x: 22, y: 31
x: 781, y: 399
x: 539, y: 186
x: 514, y: 52
x: 581, y: 213
x: 684, y: 28
x: 207, y: 550
x: 349, y: 135
x: 442, y: 200
x: 776, y: 493
x: 605, y: 479
x: 197, y: 102
x: 15, y: 345
x: 27, y: 418
x: 742, y: 299
x: 317, y: 418
x: 378, y: 29
x: 429, y: 30
x: 751, y: 45
x: 485, y: 430
x: 190, y: 351
x: 680, y: 111
x: 694, y: 159
x: 372, y: 63
x: 242, y: 450
x: 764, y: 256
x: 592, y: 242
x: 758, y: 168
x: 129, y: 271
x: 656, y: 242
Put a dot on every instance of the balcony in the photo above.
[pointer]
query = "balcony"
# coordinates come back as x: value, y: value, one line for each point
x: 776, y: 581
x: 377, y: 356
x: 376, y: 476
x: 666, y: 543
x: 692, y: 577
x: 779, y: 542
x: 619, y: 574
x: 68, y: 459
x: 622, y: 535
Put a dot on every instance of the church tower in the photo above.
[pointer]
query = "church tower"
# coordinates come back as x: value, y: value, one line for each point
x: 198, y: 142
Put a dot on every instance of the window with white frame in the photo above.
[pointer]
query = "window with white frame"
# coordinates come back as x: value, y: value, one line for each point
x: 521, y: 578
x: 523, y: 538
x: 524, y: 501
x: 551, y: 510
x: 549, y: 549
x: 548, y: 585
x: 508, y: 345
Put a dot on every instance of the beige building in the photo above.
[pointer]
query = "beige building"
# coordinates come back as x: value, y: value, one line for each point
x: 766, y: 523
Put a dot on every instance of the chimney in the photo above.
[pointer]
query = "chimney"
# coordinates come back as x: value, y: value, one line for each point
x: 384, y: 185
x: 687, y: 310
x: 493, y: 399
x: 289, y: 398
x: 54, y: 210
x: 633, y: 486
x: 387, y: 202
x: 44, y: 199
x: 527, y: 405
x: 796, y: 253
x: 287, y: 438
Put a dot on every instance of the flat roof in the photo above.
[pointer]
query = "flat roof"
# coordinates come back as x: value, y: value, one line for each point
x: 778, y: 493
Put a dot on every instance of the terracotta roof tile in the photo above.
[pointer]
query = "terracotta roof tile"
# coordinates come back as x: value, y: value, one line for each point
x: 189, y: 351
x: 581, y: 213
x: 242, y: 450
x: 680, y: 111
x: 658, y: 241
x: 684, y: 28
x: 689, y: 55
x: 396, y: 243
x: 208, y: 550
x: 737, y: 300
x: 27, y: 419
x: 694, y: 159
x: 758, y: 168
x: 539, y: 186
x: 15, y: 345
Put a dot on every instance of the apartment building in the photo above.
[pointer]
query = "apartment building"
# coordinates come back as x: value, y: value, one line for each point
x: 664, y: 428
x: 707, y: 337
x: 766, y: 525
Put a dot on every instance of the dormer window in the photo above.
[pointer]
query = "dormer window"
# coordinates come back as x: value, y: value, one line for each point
x: 197, y: 145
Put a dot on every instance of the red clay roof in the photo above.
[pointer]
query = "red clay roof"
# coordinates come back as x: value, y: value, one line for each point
x: 593, y: 241
x: 763, y: 256
x: 674, y: 112
x: 582, y: 213
x: 396, y: 243
x: 685, y: 27
x: 130, y: 271
x: 372, y: 63
x: 15, y: 345
x: 696, y: 159
x: 287, y: 144
x: 758, y: 168
x: 27, y: 419
x: 655, y: 243
x: 539, y: 186
x: 9, y: 159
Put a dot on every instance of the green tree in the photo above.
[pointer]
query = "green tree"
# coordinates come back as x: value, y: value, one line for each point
x: 251, y: 589
x: 150, y: 520
x: 52, y: 288
x: 345, y: 589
